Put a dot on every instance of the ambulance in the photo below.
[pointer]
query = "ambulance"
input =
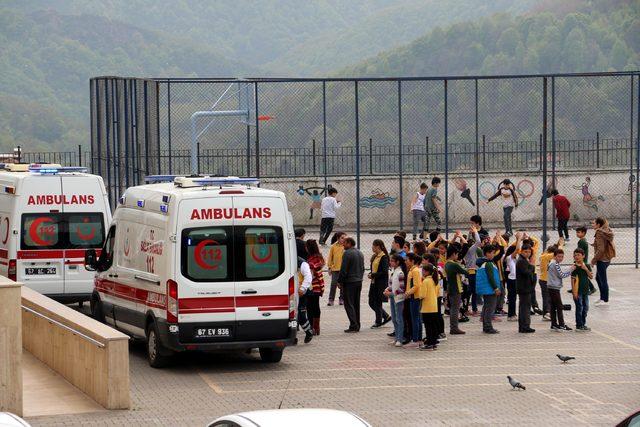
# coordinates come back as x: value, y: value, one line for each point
x: 199, y: 263
x: 49, y: 216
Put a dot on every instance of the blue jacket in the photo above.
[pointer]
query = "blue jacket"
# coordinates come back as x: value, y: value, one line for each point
x: 487, y: 277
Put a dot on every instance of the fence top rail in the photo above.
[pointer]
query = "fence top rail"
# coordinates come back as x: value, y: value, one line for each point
x: 372, y: 79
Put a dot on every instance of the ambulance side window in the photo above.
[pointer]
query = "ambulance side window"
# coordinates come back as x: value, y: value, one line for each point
x: 263, y: 252
x: 106, y: 257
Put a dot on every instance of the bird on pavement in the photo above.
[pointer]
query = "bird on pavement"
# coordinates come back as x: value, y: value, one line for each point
x: 515, y: 384
x: 565, y: 359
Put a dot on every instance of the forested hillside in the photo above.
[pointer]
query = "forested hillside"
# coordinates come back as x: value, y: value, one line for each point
x: 601, y: 36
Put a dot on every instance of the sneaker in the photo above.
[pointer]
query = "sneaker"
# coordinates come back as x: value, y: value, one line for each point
x: 527, y: 331
x: 579, y: 328
x: 392, y: 342
x: 586, y: 328
x: 565, y: 328
x: 491, y: 331
x: 463, y: 319
x: 457, y: 332
x: 591, y: 291
x: 398, y: 344
x: 512, y: 319
x: 601, y: 303
x: 546, y: 317
x: 308, y: 336
x: 330, y: 303
x: 391, y: 334
x: 501, y: 313
x: 567, y: 240
x: 538, y: 311
x: 427, y: 347
x: 385, y: 321
x: 569, y: 291
x: 376, y: 325
x: 555, y: 328
x: 442, y: 337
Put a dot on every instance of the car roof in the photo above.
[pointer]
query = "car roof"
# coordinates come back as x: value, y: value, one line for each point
x: 302, y: 416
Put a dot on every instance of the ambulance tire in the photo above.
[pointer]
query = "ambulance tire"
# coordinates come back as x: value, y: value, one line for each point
x: 270, y: 355
x: 96, y: 308
x: 157, y: 355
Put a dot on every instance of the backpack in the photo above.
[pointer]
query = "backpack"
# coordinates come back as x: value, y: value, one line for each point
x: 483, y: 287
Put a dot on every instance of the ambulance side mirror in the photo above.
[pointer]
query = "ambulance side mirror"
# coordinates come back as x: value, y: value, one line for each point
x: 90, y: 260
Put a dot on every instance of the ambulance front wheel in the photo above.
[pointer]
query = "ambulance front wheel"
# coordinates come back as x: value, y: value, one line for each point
x: 157, y: 355
x: 270, y: 355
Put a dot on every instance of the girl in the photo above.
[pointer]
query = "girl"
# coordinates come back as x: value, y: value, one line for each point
x: 334, y: 262
x: 379, y: 280
x: 507, y: 190
x: 604, y: 252
x: 414, y: 279
x: 395, y: 292
x: 316, y: 263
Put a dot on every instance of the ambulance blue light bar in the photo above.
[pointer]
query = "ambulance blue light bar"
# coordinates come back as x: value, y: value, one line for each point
x: 47, y: 170
x: 153, y: 179
x: 225, y: 181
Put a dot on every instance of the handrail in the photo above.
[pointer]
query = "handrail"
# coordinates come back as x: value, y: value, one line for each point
x: 68, y: 328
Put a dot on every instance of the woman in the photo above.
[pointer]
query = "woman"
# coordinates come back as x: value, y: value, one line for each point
x: 604, y: 252
x: 395, y: 292
x: 379, y: 280
x: 334, y: 262
x: 316, y: 263
x: 507, y: 190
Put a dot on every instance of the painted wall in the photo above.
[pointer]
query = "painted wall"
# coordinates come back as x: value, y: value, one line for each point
x: 606, y: 193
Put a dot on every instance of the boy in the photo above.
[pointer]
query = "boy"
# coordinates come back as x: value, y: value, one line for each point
x: 470, y: 259
x: 432, y: 206
x: 525, y: 286
x: 476, y: 222
x: 581, y: 233
x: 488, y: 285
x: 545, y: 259
x: 561, y: 205
x: 397, y: 246
x: 580, y: 278
x: 417, y: 210
x: 555, y: 274
x: 329, y: 207
x: 453, y: 272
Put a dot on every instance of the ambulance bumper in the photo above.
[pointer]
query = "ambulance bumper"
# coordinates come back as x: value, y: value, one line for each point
x: 172, y: 340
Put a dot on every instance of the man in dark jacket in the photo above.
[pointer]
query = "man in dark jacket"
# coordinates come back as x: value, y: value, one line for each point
x: 350, y: 281
x: 300, y: 243
x: 525, y: 287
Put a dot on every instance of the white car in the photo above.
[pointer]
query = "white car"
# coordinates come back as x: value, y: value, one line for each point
x: 291, y: 417
x: 8, y: 419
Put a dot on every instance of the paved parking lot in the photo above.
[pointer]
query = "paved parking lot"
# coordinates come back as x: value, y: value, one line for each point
x: 462, y: 383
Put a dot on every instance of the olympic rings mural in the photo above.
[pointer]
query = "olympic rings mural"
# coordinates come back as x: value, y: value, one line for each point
x: 525, y: 189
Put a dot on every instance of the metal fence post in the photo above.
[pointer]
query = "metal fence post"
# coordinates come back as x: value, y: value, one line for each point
x: 79, y: 155
x: 553, y: 145
x: 631, y: 151
x: 198, y: 154
x: 324, y: 131
x: 357, y: 105
x: 168, y: 124
x: 446, y: 160
x: 638, y: 176
x: 98, y: 132
x: 125, y: 92
x: 484, y: 153
x: 477, y: 156
x: 257, y: 132
x: 597, y: 150
x: 370, y: 156
x: 427, y: 153
x: 544, y: 163
x: 313, y: 148
x: 400, y: 169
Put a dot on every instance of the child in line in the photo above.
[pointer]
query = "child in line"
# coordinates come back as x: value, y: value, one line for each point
x: 488, y: 286
x: 414, y: 279
x: 429, y: 290
x: 580, y: 278
x: 454, y: 272
x: 555, y: 274
x: 545, y: 259
x: 395, y: 293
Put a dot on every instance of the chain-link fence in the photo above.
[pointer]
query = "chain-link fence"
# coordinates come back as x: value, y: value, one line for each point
x: 376, y: 140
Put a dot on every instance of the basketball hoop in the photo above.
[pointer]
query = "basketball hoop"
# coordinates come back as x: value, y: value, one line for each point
x: 265, y: 118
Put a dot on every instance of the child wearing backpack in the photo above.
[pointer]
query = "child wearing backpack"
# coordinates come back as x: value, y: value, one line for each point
x: 489, y: 286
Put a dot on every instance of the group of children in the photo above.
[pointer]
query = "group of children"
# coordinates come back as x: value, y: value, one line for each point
x: 467, y: 271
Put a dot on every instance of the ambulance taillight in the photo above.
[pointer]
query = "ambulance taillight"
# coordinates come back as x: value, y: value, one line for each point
x: 12, y: 271
x: 292, y: 299
x: 172, y: 301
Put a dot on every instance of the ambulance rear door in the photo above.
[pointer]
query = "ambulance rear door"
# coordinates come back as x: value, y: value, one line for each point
x: 87, y: 216
x: 40, y: 255
x: 205, y: 270
x: 262, y: 285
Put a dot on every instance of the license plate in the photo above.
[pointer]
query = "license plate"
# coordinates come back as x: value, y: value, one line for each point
x: 212, y: 333
x: 38, y: 271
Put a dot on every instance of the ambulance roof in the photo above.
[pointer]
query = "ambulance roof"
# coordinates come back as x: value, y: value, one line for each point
x: 17, y: 172
x: 197, y: 192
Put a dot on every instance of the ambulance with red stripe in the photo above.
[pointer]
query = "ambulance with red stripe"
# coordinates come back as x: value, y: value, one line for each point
x: 199, y: 263
x: 49, y: 216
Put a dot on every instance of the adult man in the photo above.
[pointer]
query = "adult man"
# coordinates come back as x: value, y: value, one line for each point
x: 525, y: 286
x: 432, y: 206
x: 300, y: 244
x: 329, y: 207
x: 350, y: 280
x: 417, y: 210
x: 561, y: 205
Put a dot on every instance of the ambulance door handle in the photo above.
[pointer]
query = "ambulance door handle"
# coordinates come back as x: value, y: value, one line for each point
x: 113, y: 275
x: 249, y: 291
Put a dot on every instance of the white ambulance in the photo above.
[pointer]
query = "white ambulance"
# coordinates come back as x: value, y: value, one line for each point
x: 199, y: 263
x: 49, y: 216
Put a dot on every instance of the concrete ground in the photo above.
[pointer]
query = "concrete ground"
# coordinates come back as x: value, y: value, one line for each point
x: 462, y: 383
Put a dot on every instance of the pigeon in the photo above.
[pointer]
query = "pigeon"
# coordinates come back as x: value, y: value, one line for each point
x: 565, y: 359
x: 515, y: 384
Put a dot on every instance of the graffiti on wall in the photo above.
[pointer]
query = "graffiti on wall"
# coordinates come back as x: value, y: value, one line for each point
x: 377, y: 199
x: 315, y: 193
x: 463, y: 188
x: 588, y: 200
x: 524, y: 189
